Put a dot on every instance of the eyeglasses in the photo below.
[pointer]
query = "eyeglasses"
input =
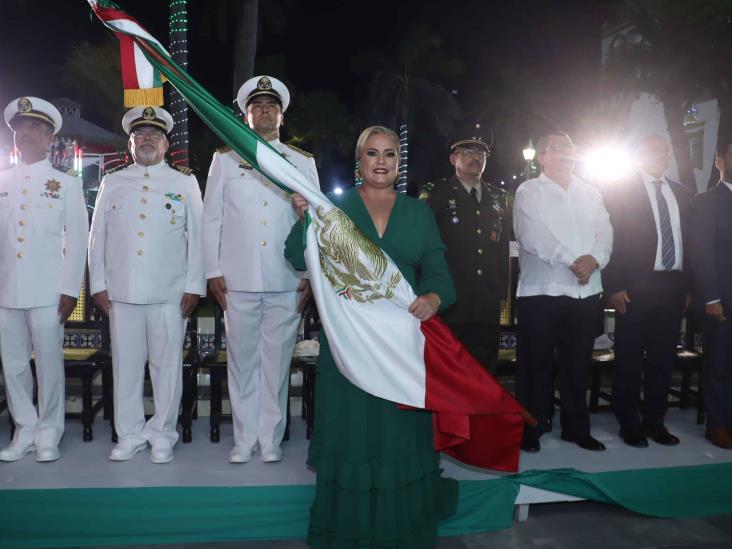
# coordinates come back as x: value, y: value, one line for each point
x: 479, y: 153
x: 559, y: 147
x: 155, y: 135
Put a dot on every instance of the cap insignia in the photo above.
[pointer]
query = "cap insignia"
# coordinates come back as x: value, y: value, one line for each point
x: 264, y: 83
x: 148, y: 113
x: 24, y: 105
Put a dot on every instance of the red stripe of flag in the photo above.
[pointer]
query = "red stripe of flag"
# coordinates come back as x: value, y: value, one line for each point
x: 476, y: 420
x: 127, y: 55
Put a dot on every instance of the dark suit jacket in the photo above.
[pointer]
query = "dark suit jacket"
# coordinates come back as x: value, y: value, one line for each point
x: 710, y: 232
x: 635, y: 238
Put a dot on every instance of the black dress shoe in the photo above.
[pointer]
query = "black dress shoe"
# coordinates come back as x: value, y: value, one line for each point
x: 660, y: 435
x: 586, y: 442
x: 633, y: 437
x: 530, y: 445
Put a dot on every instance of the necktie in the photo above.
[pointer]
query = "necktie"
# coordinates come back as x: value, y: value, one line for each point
x: 474, y: 194
x: 668, y: 251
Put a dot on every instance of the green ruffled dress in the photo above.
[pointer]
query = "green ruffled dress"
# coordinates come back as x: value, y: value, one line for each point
x: 379, y: 483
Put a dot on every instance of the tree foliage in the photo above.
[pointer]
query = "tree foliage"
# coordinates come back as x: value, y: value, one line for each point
x: 676, y: 51
x: 92, y: 73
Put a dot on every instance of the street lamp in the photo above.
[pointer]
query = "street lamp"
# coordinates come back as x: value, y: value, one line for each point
x: 529, y: 154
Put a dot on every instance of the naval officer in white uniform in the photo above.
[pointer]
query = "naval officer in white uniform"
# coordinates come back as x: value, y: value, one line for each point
x: 246, y: 219
x: 43, y: 233
x: 146, y: 273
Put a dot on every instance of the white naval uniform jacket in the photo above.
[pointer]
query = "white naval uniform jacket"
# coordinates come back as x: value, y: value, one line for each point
x: 246, y: 220
x: 145, y: 240
x: 43, y: 234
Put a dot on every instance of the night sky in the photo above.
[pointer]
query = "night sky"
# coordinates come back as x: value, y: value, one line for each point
x: 517, y: 68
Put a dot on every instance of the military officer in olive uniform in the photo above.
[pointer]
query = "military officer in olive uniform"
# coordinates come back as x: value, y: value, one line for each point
x: 246, y: 219
x: 43, y: 228
x: 473, y: 220
x: 146, y: 273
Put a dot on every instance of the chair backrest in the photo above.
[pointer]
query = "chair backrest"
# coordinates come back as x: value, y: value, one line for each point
x: 86, y: 317
x: 690, y: 330
x: 192, y: 332
x: 219, y: 328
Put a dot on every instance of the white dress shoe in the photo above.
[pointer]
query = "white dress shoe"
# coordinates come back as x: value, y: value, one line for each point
x: 49, y: 453
x: 271, y: 454
x: 241, y: 454
x: 123, y: 452
x: 16, y: 451
x: 162, y: 454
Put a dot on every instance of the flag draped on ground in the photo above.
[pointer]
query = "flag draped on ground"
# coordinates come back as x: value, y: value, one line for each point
x: 362, y: 297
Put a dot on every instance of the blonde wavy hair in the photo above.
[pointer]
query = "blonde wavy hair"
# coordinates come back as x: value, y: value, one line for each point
x: 375, y: 130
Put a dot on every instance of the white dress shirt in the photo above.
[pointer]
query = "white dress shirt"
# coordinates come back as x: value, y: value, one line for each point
x: 145, y: 245
x: 673, y: 212
x: 554, y: 227
x: 246, y: 220
x: 43, y: 235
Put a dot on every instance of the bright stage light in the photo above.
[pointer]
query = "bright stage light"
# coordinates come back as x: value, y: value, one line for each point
x: 338, y: 190
x: 609, y: 163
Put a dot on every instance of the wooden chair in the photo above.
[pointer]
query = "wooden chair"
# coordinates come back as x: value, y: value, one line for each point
x: 215, y: 361
x: 311, y: 327
x: 603, y: 363
x: 690, y: 362
x: 191, y: 364
x: 86, y: 355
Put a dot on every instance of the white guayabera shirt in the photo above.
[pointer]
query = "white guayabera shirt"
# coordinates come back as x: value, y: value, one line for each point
x: 554, y: 227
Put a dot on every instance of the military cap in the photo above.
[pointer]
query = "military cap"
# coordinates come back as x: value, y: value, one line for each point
x: 155, y: 117
x: 263, y: 85
x: 471, y: 135
x: 33, y: 107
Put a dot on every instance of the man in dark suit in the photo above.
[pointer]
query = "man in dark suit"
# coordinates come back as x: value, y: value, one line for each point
x: 647, y: 283
x: 474, y: 223
x: 711, y: 261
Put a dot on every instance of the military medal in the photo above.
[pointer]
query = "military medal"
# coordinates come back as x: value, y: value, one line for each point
x: 452, y: 205
x: 52, y: 189
x: 53, y: 186
x: 494, y: 236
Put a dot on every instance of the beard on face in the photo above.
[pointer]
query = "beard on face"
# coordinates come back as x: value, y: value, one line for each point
x: 146, y: 153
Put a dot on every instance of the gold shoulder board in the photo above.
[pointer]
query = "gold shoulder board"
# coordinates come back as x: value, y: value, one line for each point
x: 302, y: 152
x: 185, y: 170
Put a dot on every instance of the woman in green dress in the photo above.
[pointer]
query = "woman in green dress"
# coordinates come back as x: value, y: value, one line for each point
x: 379, y: 482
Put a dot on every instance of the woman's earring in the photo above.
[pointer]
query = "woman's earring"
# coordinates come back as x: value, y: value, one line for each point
x: 357, y: 179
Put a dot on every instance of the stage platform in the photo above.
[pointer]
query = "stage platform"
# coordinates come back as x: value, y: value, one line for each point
x: 84, y: 499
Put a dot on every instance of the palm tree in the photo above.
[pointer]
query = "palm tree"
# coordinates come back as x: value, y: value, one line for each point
x: 410, y: 89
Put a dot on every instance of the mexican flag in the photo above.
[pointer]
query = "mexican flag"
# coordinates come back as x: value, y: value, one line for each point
x: 141, y: 80
x: 363, y: 298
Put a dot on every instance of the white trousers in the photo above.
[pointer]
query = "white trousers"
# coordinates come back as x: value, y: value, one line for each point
x: 37, y: 329
x: 261, y: 328
x: 153, y: 333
